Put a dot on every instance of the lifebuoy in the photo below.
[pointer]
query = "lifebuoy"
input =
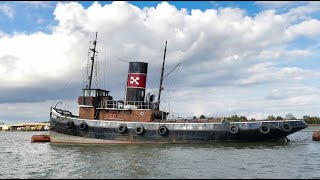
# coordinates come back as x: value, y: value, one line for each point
x: 122, y: 128
x: 139, y: 130
x: 162, y: 130
x: 113, y: 115
x: 141, y: 113
x: 286, y: 127
x: 264, y: 129
x: 69, y: 124
x: 234, y: 129
x: 83, y: 126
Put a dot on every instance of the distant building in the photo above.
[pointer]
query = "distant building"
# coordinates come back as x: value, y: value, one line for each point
x: 46, y: 128
x: 4, y: 127
x: 1, y: 124
x: 30, y: 127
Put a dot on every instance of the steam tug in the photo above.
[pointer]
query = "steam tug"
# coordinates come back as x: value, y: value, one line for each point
x: 138, y: 119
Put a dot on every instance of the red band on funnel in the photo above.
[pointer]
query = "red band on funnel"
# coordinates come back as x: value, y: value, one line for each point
x: 137, y: 80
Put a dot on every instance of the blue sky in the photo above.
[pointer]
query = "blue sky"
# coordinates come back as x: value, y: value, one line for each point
x: 247, y: 58
x: 38, y: 16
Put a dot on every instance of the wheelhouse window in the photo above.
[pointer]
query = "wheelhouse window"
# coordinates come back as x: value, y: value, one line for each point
x: 102, y: 93
x: 89, y: 92
x: 95, y: 93
x: 86, y: 92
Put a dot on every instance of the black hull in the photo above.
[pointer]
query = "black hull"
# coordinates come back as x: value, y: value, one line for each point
x: 105, y: 132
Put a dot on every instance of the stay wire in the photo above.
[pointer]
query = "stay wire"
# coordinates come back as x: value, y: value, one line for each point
x: 114, y: 55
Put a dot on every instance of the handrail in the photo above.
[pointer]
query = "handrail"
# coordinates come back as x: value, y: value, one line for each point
x: 127, y: 105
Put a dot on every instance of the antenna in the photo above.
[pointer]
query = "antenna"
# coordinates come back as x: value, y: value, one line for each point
x: 92, y: 58
x: 161, y: 78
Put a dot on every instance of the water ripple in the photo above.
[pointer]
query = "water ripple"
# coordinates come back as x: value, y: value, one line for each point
x: 298, y: 159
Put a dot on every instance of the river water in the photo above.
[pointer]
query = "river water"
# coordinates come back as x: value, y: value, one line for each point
x: 298, y: 159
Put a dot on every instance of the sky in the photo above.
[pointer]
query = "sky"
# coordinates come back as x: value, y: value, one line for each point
x: 247, y: 58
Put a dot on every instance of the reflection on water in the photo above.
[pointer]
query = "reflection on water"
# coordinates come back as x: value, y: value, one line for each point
x: 297, y: 159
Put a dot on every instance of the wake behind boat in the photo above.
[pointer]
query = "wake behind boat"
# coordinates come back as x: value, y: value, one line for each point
x: 138, y: 119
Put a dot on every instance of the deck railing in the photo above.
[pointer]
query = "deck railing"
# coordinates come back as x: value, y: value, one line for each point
x: 127, y: 104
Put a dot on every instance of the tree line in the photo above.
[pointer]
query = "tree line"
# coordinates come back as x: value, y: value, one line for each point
x: 236, y: 118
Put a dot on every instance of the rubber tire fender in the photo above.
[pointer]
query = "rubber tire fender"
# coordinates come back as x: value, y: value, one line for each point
x: 264, y: 129
x: 163, y: 130
x: 83, y: 126
x: 69, y: 124
x: 139, y: 130
x: 234, y: 129
x: 286, y: 127
x: 122, y: 128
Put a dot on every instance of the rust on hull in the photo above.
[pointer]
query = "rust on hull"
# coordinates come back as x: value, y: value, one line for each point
x: 316, y: 135
x: 40, y: 138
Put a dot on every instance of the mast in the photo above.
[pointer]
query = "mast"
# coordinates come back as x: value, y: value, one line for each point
x: 92, y: 58
x: 161, y: 78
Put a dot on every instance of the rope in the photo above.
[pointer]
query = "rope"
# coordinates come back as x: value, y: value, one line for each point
x: 170, y: 84
x: 121, y: 59
x: 105, y: 69
x: 57, y: 122
x: 114, y: 55
x: 54, y: 125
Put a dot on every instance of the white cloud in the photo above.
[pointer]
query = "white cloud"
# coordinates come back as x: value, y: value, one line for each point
x: 303, y: 12
x: 40, y: 21
x: 37, y: 4
x: 278, y: 4
x: 265, y: 73
x: 1, y: 34
x: 37, y: 57
x: 309, y: 28
x: 7, y: 10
